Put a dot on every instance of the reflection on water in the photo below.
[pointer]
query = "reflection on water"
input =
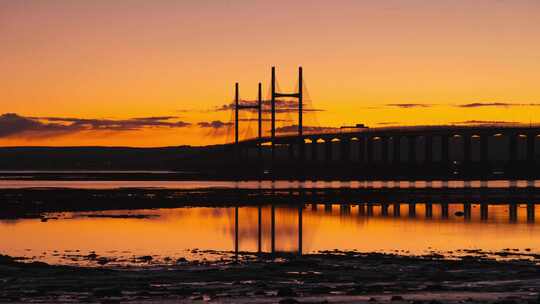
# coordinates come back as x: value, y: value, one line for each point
x: 281, y: 184
x: 408, y: 228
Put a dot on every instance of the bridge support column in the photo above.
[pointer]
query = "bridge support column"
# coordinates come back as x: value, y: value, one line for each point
x: 412, y: 149
x: 369, y: 150
x: 345, y: 146
x: 314, y: 150
x: 513, y: 153
x: 361, y: 149
x: 445, y: 152
x: 328, y: 150
x: 291, y: 152
x: 429, y: 149
x: 396, y: 140
x: 484, y: 140
x: 530, y: 148
x: 466, y: 148
x: 384, y: 150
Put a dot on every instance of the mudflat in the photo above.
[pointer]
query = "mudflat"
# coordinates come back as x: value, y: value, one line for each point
x: 325, y: 277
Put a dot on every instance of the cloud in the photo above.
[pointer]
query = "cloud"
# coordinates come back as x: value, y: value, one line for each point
x: 408, y: 105
x: 216, y: 124
x: 496, y: 104
x: 484, y: 122
x: 282, y: 106
x: 14, y: 125
x: 307, y: 129
x: 387, y: 123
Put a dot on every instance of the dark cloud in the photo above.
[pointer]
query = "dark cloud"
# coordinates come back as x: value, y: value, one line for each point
x: 408, y: 105
x: 216, y: 124
x: 12, y: 124
x: 496, y: 104
x: 306, y: 129
x: 16, y: 125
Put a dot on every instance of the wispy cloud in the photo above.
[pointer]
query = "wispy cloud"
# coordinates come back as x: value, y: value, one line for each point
x: 282, y: 106
x: 216, y: 124
x: 496, y: 105
x: 294, y: 128
x: 484, y: 122
x: 14, y: 125
x: 409, y: 105
x: 387, y: 123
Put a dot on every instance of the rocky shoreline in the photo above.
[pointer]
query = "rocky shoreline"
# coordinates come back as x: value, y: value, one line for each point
x: 325, y: 277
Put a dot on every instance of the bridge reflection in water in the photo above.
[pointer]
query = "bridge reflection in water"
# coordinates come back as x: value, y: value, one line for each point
x: 474, y: 213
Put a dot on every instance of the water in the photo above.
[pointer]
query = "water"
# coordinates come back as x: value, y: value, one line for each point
x: 174, y: 233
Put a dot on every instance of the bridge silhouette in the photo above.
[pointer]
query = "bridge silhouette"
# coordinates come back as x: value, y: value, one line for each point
x: 472, y: 150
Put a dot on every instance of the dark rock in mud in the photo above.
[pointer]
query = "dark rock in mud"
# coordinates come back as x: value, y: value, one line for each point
x: 289, y: 301
x: 286, y: 292
x: 107, y: 292
x: 397, y: 298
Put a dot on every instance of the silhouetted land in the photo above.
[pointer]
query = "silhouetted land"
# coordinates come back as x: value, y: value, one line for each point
x: 218, y: 162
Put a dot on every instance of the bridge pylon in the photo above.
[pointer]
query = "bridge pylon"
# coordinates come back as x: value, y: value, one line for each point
x: 299, y: 95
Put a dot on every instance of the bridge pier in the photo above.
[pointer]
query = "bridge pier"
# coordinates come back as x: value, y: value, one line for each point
x: 530, y: 148
x: 445, y: 151
x: 513, y: 147
x: 412, y: 149
x: 345, y: 145
x: 396, y: 140
x: 314, y: 150
x: 467, y: 149
x: 429, y: 149
x: 384, y: 150
x: 328, y: 150
x: 361, y: 149
x: 484, y: 157
x: 369, y: 150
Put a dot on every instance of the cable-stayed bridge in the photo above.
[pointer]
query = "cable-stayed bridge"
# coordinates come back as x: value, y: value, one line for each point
x: 477, y: 148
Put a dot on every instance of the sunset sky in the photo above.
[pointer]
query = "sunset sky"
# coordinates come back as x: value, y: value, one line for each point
x: 156, y: 73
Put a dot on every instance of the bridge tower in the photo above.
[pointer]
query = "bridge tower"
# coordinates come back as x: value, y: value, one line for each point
x: 248, y: 106
x: 299, y: 95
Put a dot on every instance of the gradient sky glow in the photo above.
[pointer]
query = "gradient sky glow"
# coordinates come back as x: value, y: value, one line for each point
x: 126, y: 59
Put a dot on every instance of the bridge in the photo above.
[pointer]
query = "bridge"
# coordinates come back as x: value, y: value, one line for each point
x: 482, y: 150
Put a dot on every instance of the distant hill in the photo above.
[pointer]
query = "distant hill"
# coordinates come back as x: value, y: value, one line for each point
x: 102, y: 158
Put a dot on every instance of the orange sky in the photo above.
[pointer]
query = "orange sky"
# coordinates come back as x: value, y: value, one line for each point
x: 120, y: 60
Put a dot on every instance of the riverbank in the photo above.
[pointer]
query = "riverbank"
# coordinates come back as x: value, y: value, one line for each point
x: 327, y: 277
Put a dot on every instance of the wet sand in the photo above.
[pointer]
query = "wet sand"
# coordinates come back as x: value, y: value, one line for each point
x: 327, y: 277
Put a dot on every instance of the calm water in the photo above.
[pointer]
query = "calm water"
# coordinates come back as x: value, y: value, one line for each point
x: 175, y: 233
